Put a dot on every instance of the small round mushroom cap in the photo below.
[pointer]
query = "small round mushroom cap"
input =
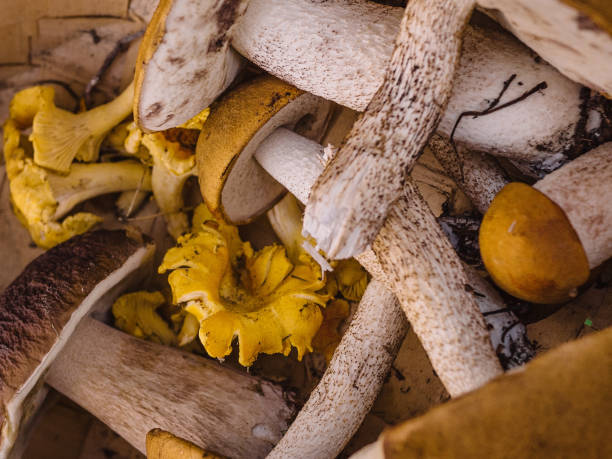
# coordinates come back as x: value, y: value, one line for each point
x: 184, y: 61
x: 233, y: 184
x: 530, y: 248
x: 42, y: 307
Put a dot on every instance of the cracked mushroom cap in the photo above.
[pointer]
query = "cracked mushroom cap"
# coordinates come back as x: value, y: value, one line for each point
x: 233, y: 184
x: 42, y: 307
x: 184, y: 61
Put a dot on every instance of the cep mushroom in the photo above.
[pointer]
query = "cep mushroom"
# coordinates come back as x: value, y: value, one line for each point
x: 339, y: 50
x: 51, y: 333
x: 186, y: 42
x: 40, y: 310
x: 557, y: 406
x: 539, y: 243
x: 231, y: 136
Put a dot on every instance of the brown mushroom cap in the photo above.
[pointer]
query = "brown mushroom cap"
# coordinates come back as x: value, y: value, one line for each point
x: 41, y: 308
x: 530, y: 248
x: 231, y: 181
x: 186, y: 43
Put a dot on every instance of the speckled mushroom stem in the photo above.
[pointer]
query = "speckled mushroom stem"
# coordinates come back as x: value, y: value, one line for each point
x: 337, y: 406
x: 313, y: 45
x: 136, y: 385
x: 413, y: 258
x: 476, y: 174
x: 38, y: 317
x: 351, y: 199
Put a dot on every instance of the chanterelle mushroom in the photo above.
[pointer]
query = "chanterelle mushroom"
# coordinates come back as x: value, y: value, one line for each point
x: 539, y: 243
x: 42, y: 307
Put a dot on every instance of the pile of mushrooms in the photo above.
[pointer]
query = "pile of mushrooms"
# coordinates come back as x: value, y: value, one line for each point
x: 463, y: 88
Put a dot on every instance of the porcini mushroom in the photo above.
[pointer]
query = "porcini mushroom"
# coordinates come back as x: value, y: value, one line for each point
x: 40, y: 310
x: 557, y: 406
x: 186, y: 42
x: 574, y: 36
x: 49, y: 334
x: 539, y: 243
x: 343, y: 213
x: 459, y: 348
x: 340, y: 50
x: 136, y: 385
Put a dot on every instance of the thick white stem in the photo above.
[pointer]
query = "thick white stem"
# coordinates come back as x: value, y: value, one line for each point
x: 151, y: 386
x: 340, y: 50
x: 351, y: 199
x: 341, y: 400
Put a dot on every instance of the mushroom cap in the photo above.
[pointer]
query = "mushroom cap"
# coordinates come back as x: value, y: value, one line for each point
x: 42, y: 307
x: 530, y: 248
x: 179, y: 72
x: 233, y: 184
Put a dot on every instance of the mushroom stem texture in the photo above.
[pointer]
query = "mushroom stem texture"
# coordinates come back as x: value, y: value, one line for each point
x: 152, y: 385
x: 313, y: 45
x: 351, y: 199
x: 337, y: 406
x: 477, y: 175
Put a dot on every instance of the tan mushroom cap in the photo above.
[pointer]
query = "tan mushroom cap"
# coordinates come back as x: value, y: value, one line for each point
x: 232, y: 183
x: 530, y: 248
x: 164, y: 445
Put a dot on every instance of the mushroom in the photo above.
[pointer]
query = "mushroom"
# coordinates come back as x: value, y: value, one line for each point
x: 339, y: 50
x: 50, y: 332
x: 344, y: 214
x: 136, y: 385
x: 519, y: 414
x: 477, y: 174
x: 420, y: 267
x: 40, y: 310
x: 200, y: 63
x: 539, y: 243
x: 574, y: 36
x: 164, y: 445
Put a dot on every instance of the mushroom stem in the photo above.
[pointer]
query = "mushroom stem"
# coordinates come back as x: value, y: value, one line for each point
x: 351, y: 382
x: 313, y: 45
x: 40, y: 310
x: 477, y: 175
x: 351, y: 199
x: 415, y: 260
x: 150, y: 385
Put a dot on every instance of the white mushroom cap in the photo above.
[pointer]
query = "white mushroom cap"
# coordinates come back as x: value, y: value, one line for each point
x: 185, y: 61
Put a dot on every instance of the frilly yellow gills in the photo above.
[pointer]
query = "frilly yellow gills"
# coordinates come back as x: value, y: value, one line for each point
x: 261, y: 298
x: 41, y: 197
x: 135, y: 313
